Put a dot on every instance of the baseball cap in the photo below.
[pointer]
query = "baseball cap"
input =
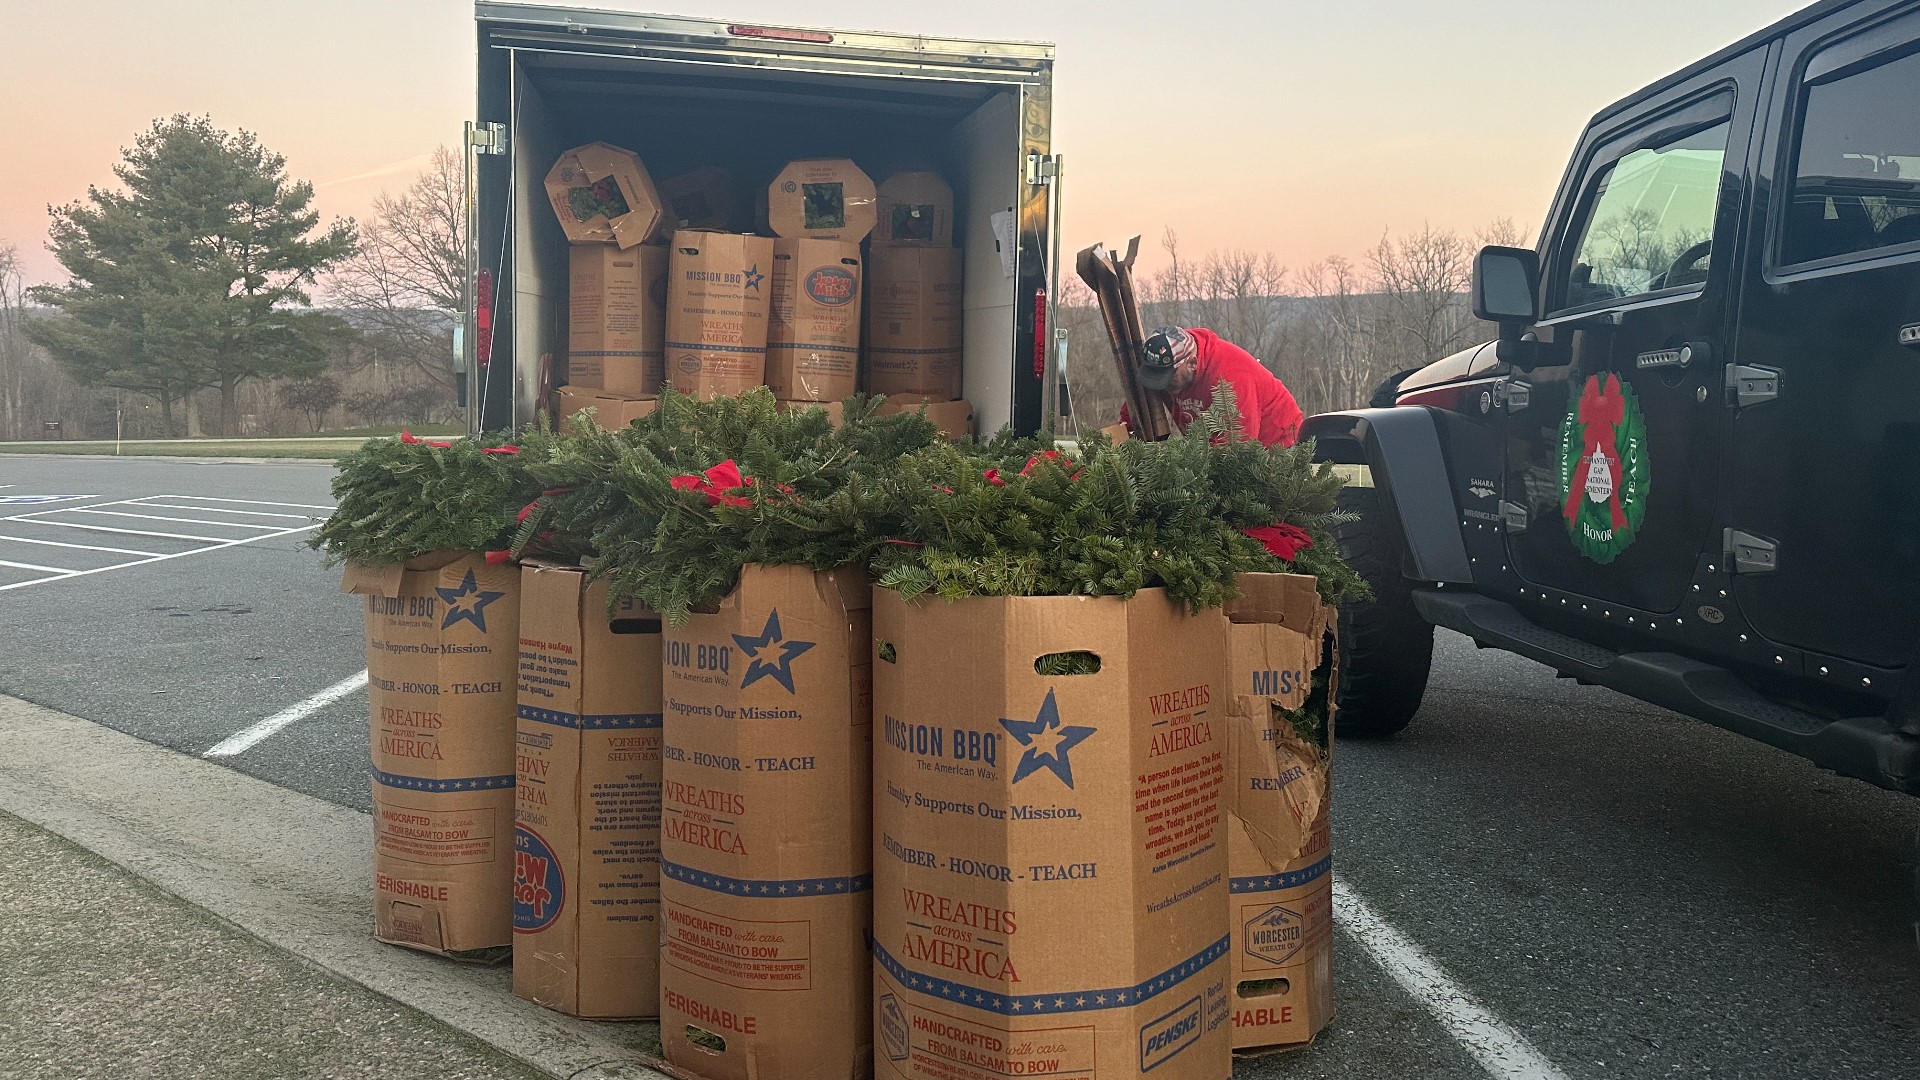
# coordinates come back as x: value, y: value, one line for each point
x: 1162, y: 352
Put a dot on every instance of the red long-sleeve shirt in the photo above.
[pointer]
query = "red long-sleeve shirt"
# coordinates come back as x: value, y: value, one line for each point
x: 1268, y: 413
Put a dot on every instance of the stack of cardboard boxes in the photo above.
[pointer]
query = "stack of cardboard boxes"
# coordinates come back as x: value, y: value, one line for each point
x: 914, y: 325
x: 616, y: 281
x: 663, y: 293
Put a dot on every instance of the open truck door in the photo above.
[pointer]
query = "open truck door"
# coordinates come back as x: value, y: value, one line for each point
x: 688, y: 93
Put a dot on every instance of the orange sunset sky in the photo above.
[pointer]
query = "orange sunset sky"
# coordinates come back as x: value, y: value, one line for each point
x: 1301, y: 128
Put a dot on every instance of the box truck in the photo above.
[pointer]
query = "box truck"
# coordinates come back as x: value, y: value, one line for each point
x: 694, y: 95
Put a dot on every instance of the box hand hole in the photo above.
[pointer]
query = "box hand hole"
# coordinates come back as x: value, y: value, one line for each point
x: 1078, y: 662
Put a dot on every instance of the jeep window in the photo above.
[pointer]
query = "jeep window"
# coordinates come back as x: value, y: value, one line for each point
x: 1856, y: 182
x: 1649, y: 222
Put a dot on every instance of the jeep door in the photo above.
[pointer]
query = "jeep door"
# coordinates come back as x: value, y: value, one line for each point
x: 1613, y: 447
x: 1826, y: 468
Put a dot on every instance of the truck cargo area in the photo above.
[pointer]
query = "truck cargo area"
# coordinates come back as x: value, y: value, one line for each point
x: 685, y: 94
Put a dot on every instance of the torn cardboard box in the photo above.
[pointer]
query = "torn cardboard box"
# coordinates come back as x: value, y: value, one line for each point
x: 1279, y: 728
x: 617, y: 318
x: 441, y: 655
x: 953, y: 418
x: 705, y: 198
x: 766, y: 893
x: 1049, y: 855
x: 813, y: 332
x: 717, y: 309
x: 916, y: 207
x: 603, y: 195
x: 822, y: 199
x: 586, y: 880
x: 610, y: 411
x: 914, y: 323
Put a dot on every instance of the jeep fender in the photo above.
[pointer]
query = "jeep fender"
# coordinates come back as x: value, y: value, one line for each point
x: 1401, y: 447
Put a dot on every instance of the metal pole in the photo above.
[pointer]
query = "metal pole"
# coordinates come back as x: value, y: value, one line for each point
x: 469, y: 315
x: 1050, y: 369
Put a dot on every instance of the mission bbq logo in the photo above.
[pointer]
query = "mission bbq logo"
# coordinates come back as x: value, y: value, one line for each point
x: 1604, y: 469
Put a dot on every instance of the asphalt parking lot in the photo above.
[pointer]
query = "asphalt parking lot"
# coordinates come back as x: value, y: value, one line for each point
x: 1603, y: 889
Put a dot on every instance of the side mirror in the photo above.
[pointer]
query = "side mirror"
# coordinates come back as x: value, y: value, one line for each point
x: 1506, y: 291
x: 1506, y: 287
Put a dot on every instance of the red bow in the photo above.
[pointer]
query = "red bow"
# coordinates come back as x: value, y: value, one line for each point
x: 411, y: 439
x: 495, y: 558
x: 715, y: 483
x: 1282, y: 541
x: 1049, y: 455
x: 993, y: 476
x: 508, y: 449
x: 1602, y: 410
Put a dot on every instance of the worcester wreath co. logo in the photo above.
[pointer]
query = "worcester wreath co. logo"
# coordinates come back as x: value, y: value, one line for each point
x: 1046, y: 742
x: 539, y: 888
x: 831, y: 285
x: 770, y: 654
x: 467, y: 602
x: 1603, y: 468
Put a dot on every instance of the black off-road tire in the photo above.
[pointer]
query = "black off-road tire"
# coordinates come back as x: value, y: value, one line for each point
x: 1386, y: 648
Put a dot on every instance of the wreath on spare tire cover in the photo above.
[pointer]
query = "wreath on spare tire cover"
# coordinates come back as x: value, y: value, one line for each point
x: 1603, y: 468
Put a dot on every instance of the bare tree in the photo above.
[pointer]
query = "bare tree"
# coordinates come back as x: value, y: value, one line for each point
x: 14, y: 345
x: 407, y: 283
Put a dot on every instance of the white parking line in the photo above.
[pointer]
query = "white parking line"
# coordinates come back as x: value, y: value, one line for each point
x: 175, y: 520
x: 204, y: 544
x: 30, y: 566
x: 245, y: 502
x: 127, y: 532
x: 80, y: 547
x: 220, y: 510
x: 1500, y: 1050
x: 242, y: 741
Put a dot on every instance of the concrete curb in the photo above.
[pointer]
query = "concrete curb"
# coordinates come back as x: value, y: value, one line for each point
x: 290, y: 869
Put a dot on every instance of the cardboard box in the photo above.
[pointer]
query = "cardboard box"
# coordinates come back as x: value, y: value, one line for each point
x: 705, y: 198
x: 610, y: 411
x: 1279, y: 864
x: 916, y: 207
x: 822, y: 199
x: 953, y: 418
x: 441, y: 655
x: 767, y: 890
x: 1050, y: 865
x: 603, y: 195
x: 617, y: 318
x: 813, y: 330
x: 717, y: 309
x: 913, y: 322
x: 586, y: 881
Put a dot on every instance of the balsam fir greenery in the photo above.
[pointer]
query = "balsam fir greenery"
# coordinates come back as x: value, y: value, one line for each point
x: 673, y: 506
x: 405, y: 497
x: 1110, y: 521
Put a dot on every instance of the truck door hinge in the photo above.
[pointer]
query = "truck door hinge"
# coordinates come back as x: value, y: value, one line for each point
x: 487, y: 138
x: 1514, y: 515
x: 1041, y: 168
x: 1749, y: 385
x: 1515, y: 394
x: 1750, y: 554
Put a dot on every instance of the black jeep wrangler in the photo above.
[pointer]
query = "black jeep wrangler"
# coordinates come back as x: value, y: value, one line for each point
x: 1689, y: 469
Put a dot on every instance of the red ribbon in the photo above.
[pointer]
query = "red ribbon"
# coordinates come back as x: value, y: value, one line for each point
x: 993, y: 477
x: 508, y: 449
x: 1282, y: 541
x: 1602, y: 410
x: 715, y: 483
x: 411, y: 439
x: 1052, y: 455
x: 495, y: 558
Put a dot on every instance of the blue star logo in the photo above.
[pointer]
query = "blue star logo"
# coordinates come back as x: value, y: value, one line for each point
x: 467, y: 602
x: 754, y: 277
x: 1046, y: 741
x: 779, y: 668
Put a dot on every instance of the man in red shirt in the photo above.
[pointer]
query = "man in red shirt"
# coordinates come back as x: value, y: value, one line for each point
x: 1183, y: 367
